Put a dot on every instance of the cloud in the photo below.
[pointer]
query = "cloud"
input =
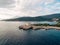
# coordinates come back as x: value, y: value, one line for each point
x: 35, y: 7
x: 56, y: 6
x: 6, y: 3
x: 19, y: 8
x: 49, y: 2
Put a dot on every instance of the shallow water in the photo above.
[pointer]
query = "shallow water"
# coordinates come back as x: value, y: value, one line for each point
x: 11, y: 35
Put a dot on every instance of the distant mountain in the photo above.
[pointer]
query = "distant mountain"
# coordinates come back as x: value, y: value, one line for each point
x: 27, y: 19
x: 52, y: 16
x: 38, y: 18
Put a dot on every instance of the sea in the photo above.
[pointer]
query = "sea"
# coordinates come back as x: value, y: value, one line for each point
x: 10, y: 34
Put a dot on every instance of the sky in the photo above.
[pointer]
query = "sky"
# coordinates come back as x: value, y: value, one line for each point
x: 19, y: 8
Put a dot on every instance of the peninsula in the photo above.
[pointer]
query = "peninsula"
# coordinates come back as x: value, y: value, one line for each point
x: 39, y: 26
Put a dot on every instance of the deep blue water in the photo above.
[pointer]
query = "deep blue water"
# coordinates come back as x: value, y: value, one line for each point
x: 39, y: 37
x: 11, y: 35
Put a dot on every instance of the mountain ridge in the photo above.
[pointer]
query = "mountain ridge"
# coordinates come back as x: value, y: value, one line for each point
x: 38, y: 18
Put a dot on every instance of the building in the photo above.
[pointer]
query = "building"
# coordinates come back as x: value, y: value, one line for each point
x: 55, y: 19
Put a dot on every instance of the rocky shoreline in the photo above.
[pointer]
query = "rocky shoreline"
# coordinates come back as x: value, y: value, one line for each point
x: 46, y: 27
x: 33, y: 27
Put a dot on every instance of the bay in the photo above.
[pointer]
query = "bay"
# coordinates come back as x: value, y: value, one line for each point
x: 11, y: 35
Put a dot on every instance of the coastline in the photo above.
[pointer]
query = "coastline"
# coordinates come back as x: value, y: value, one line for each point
x: 46, y: 27
x: 24, y: 27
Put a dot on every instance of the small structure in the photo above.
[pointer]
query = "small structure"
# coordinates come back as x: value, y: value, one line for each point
x: 55, y: 19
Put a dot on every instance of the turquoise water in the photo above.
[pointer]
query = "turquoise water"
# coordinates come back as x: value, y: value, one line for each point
x: 11, y: 35
x: 43, y: 22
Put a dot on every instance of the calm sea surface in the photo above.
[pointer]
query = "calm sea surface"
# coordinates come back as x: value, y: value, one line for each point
x: 11, y: 35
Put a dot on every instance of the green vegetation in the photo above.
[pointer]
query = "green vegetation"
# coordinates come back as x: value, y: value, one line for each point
x: 41, y: 24
x: 58, y: 24
x: 38, y: 18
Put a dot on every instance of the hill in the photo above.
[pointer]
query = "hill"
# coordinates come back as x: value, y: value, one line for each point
x: 38, y: 18
x: 52, y: 16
